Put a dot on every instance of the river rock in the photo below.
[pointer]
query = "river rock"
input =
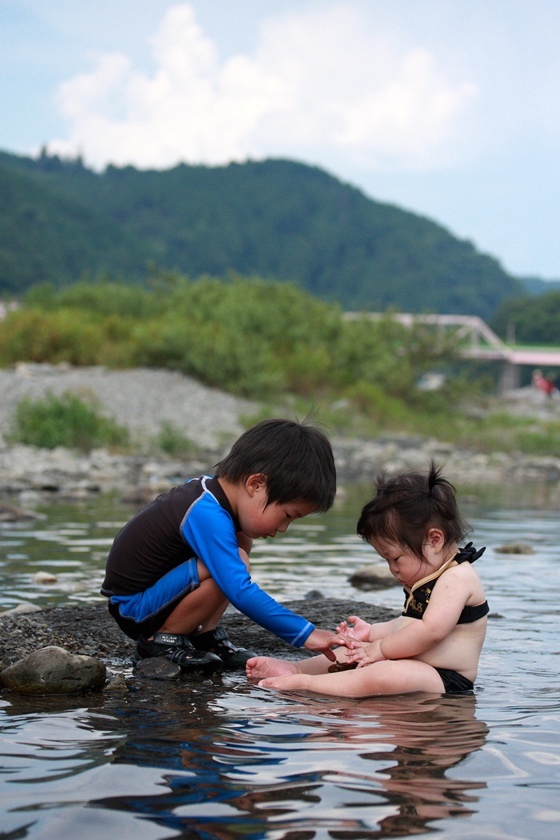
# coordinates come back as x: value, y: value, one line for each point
x: 372, y: 577
x: 53, y: 670
x: 514, y: 548
x: 10, y: 513
x: 157, y: 668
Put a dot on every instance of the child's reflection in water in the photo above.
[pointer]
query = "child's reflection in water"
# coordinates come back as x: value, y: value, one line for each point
x: 429, y: 737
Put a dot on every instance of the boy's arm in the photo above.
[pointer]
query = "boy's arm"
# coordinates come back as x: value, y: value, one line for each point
x: 208, y: 530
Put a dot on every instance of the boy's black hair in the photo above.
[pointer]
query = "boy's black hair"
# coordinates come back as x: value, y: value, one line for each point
x: 407, y: 505
x: 296, y: 458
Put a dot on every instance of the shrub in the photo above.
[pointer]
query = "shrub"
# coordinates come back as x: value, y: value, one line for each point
x: 64, y: 421
x: 173, y: 442
x: 33, y: 336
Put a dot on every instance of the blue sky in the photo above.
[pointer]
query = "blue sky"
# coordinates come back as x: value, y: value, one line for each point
x: 447, y: 108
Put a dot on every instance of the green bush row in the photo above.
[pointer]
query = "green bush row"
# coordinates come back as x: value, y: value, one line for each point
x: 267, y: 341
x: 246, y: 336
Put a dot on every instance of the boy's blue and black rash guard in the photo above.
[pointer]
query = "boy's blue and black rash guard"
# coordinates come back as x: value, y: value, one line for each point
x: 195, y: 520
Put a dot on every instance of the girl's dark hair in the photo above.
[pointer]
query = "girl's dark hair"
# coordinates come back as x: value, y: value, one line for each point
x: 407, y: 505
x: 296, y: 458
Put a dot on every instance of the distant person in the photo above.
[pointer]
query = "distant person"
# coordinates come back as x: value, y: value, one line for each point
x: 434, y: 646
x: 177, y: 564
x: 544, y: 383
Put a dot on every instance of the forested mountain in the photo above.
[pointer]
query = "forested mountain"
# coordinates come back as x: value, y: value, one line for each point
x: 277, y: 219
x: 538, y: 286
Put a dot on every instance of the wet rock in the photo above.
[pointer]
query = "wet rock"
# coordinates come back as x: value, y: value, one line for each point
x: 116, y: 683
x: 372, y: 577
x: 44, y: 578
x: 314, y: 595
x: 9, y: 513
x: 157, y: 668
x: 52, y: 670
x: 515, y: 548
x: 20, y: 609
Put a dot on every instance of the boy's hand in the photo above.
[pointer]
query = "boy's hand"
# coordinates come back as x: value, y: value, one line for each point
x: 321, y: 641
x: 355, y: 627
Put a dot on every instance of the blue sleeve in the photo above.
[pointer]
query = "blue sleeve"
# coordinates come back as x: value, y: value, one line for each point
x: 210, y: 532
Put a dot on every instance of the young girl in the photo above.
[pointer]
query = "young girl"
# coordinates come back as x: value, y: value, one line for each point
x: 434, y: 646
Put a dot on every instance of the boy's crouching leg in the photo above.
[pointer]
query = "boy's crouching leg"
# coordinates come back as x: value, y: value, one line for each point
x: 218, y: 643
x: 178, y: 649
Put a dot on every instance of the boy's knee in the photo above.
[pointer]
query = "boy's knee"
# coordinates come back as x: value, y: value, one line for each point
x: 202, y: 571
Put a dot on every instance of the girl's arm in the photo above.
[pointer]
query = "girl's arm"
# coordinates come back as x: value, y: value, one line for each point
x: 417, y: 636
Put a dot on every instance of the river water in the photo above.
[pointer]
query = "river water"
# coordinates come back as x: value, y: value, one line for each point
x: 219, y: 758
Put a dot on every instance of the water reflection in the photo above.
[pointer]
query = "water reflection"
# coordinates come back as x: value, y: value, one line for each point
x: 231, y: 760
x: 220, y: 759
x: 375, y: 767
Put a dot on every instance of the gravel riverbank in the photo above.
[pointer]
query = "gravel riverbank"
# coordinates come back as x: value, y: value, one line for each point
x: 143, y: 399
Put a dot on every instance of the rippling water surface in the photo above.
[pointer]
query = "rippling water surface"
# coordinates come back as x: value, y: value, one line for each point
x: 220, y: 758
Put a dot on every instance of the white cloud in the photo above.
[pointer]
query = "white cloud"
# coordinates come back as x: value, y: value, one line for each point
x: 320, y: 83
x: 411, y: 118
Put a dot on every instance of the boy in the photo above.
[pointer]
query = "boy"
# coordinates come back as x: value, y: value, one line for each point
x: 175, y: 566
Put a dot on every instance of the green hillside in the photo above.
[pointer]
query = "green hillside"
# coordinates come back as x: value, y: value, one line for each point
x: 277, y: 219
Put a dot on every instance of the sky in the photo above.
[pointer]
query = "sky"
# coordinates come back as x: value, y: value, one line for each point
x: 446, y: 108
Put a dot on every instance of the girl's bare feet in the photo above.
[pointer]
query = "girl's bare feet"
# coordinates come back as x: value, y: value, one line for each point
x: 286, y: 682
x: 260, y: 667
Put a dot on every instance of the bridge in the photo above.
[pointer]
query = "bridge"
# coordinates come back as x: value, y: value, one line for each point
x: 476, y: 340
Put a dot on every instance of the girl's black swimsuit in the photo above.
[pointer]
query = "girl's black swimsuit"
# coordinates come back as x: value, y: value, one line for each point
x: 418, y: 596
x: 417, y: 599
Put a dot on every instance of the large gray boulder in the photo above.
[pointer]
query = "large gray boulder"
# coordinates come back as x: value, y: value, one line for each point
x: 53, y: 670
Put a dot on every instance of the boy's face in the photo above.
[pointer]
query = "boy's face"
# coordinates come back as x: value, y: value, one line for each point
x: 257, y: 519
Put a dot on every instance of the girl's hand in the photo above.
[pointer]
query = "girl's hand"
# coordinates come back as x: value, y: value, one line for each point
x: 355, y: 628
x: 366, y: 653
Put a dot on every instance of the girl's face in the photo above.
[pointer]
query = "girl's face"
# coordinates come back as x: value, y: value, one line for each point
x: 406, y: 567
